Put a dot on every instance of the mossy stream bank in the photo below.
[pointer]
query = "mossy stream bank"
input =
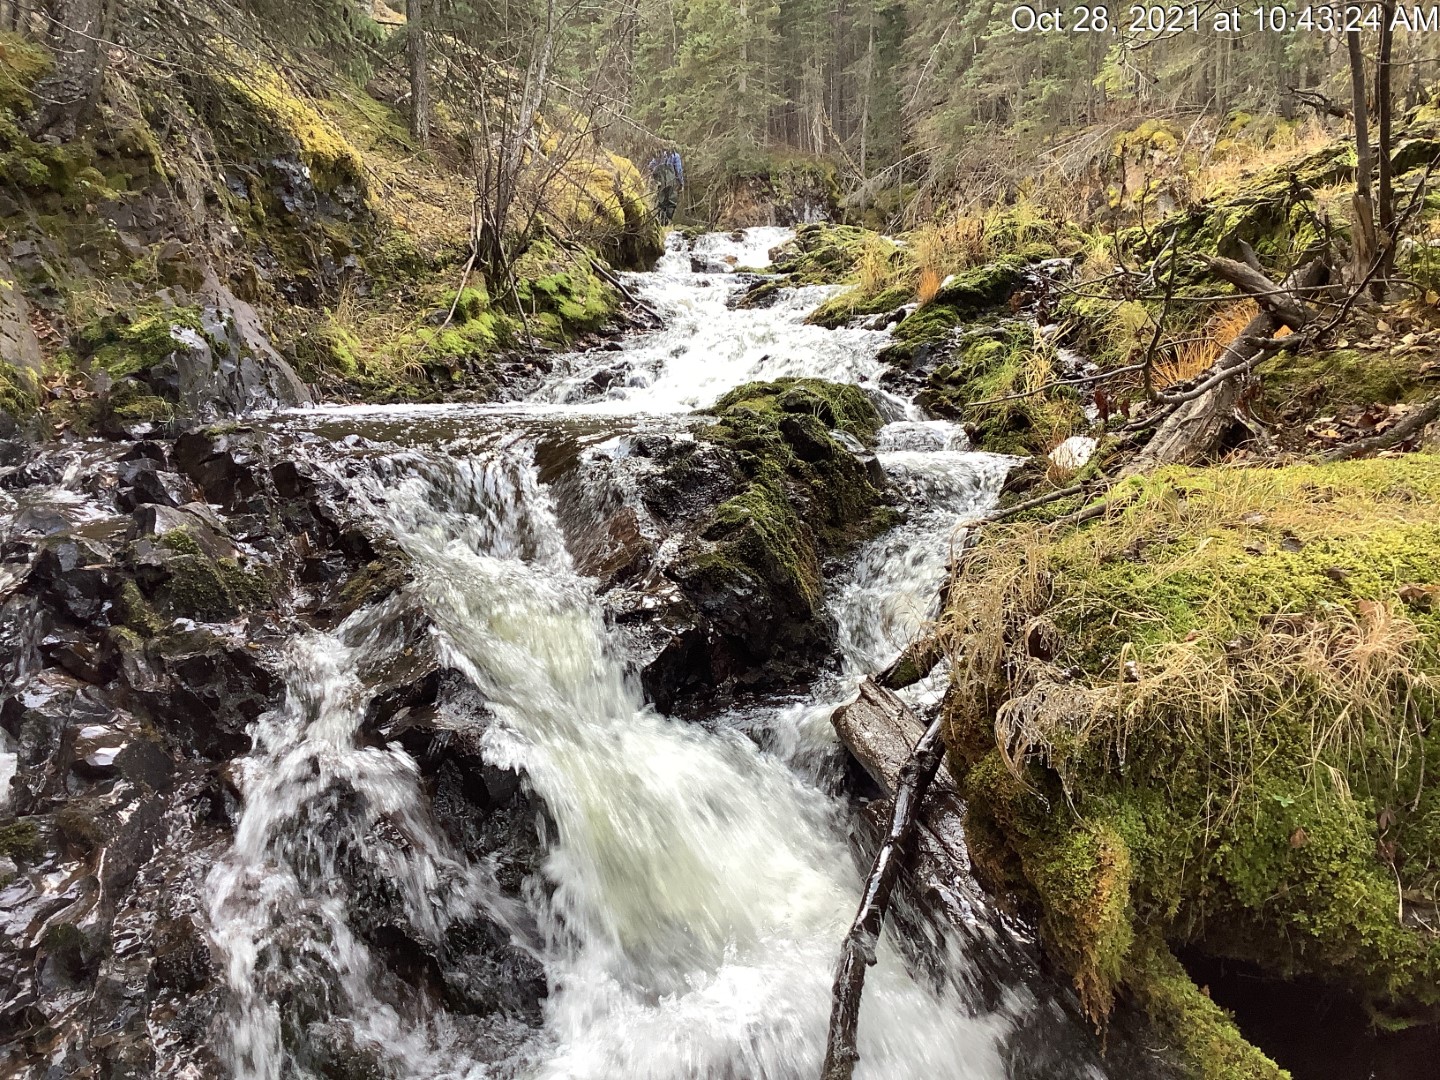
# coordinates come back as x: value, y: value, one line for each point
x: 238, y: 240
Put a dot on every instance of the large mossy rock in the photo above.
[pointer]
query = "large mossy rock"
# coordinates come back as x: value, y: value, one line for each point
x: 826, y: 254
x: 804, y: 487
x: 961, y: 298
x: 1205, y: 722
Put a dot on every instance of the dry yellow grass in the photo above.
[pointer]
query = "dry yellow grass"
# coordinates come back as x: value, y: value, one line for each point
x: 875, y: 272
x: 929, y: 284
x: 1237, y: 157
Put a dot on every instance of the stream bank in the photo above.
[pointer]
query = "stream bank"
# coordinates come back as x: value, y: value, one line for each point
x: 337, y: 746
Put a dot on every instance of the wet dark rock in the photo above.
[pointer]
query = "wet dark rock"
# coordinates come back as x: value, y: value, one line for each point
x: 709, y: 264
x: 40, y: 717
x: 336, y: 1054
x: 76, y: 654
x: 74, y: 577
x: 182, y: 957
x: 142, y: 480
x: 206, y: 692
x: 193, y: 519
x: 223, y: 464
x: 127, y: 720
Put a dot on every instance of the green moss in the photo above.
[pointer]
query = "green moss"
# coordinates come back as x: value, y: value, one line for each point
x: 261, y: 108
x: 1325, y: 382
x: 855, y: 303
x: 21, y: 840
x: 200, y: 587
x: 825, y: 254
x: 19, y: 391
x: 22, y: 64
x: 808, y: 495
x: 603, y: 200
x: 960, y: 300
x: 839, y: 406
x: 996, y: 367
x: 1198, y: 1031
x: 1244, y: 664
x: 1274, y: 211
x: 132, y: 610
x: 130, y: 344
x: 551, y: 281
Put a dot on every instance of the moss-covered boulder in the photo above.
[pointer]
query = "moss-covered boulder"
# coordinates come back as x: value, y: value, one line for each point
x: 1274, y: 211
x: 808, y: 488
x: 1204, y: 721
x: 826, y: 254
x: 997, y: 380
x: 960, y: 299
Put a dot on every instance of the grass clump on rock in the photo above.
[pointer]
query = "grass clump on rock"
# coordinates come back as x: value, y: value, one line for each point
x: 1204, y: 721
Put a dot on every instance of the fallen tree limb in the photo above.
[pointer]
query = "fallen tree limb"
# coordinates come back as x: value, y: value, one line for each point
x: 1279, y: 300
x: 858, y: 950
x: 1201, y: 417
x: 1414, y: 422
x: 916, y: 661
x: 630, y: 298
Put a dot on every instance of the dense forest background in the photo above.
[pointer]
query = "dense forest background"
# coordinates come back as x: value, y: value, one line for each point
x: 901, y: 98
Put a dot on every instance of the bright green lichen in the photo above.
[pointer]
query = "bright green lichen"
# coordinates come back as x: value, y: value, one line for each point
x: 125, y: 345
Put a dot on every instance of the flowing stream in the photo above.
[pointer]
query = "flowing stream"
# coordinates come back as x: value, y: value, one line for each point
x: 698, y: 878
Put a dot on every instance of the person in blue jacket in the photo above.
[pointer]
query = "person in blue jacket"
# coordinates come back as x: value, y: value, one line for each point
x: 667, y: 173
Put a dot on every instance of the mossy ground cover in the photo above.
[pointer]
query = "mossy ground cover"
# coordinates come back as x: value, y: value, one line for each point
x: 994, y: 379
x: 1206, y: 720
x: 348, y: 240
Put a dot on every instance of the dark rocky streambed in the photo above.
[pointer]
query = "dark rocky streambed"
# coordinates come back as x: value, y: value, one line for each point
x: 491, y: 741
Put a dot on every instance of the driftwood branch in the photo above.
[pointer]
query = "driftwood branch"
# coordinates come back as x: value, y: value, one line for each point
x: 858, y: 951
x: 1414, y: 422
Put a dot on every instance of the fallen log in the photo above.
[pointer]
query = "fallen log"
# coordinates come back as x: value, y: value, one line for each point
x: 916, y: 661
x: 1197, y: 426
x: 1416, y: 421
x: 910, y: 784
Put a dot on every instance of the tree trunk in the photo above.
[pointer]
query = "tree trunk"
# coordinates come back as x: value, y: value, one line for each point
x: 419, y: 54
x: 865, y: 95
x: 1383, y: 108
x: 1363, y: 203
x: 68, y: 94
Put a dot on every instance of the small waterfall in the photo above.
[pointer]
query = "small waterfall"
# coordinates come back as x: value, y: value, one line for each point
x: 697, y: 879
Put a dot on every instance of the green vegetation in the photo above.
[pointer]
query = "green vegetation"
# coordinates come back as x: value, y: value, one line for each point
x: 194, y: 584
x: 1203, y: 717
x: 986, y: 383
x: 807, y: 496
x: 967, y: 295
x: 21, y: 840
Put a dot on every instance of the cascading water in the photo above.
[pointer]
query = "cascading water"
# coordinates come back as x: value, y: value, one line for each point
x: 696, y: 887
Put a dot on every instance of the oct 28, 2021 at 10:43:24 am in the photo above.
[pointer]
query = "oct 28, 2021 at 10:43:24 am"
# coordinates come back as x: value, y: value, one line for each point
x: 1158, y: 19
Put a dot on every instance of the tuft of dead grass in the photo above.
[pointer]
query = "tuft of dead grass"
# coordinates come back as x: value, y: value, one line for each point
x: 1194, y: 605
